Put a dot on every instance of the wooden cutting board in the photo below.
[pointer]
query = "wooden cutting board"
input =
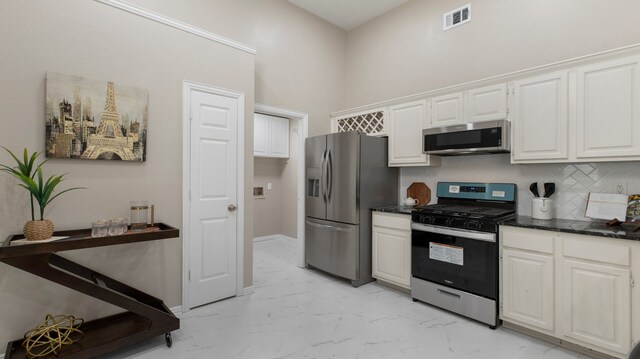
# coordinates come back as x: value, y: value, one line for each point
x: 419, y: 191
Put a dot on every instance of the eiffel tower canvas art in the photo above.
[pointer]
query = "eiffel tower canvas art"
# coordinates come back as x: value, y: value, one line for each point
x: 76, y: 128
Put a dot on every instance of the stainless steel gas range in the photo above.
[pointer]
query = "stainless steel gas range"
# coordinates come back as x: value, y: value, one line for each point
x: 454, y: 248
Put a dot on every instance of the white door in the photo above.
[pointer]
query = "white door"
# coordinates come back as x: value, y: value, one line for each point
x: 213, y: 185
x: 540, y: 118
x: 608, y: 109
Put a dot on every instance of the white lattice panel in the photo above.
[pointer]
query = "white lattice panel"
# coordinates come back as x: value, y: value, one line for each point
x: 370, y: 123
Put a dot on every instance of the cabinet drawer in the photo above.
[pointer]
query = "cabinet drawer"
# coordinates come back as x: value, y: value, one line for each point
x: 601, y: 250
x: 392, y: 220
x: 529, y: 239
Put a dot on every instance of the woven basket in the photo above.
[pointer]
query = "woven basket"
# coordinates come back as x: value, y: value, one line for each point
x: 38, y: 230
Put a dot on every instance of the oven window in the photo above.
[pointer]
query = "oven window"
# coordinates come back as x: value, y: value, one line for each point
x: 466, y: 264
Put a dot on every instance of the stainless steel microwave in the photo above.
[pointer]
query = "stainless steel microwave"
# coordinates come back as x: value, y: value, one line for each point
x: 468, y: 139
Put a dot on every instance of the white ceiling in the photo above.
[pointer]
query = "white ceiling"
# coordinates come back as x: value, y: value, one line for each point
x: 347, y: 14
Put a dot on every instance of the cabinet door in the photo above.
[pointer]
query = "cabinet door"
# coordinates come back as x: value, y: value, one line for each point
x: 405, y: 126
x: 260, y: 135
x: 596, y: 304
x: 392, y: 249
x: 279, y: 130
x: 608, y: 109
x: 447, y: 110
x: 540, y: 118
x: 528, y: 293
x: 487, y: 103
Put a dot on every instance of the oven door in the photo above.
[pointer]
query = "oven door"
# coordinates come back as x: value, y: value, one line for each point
x: 456, y: 258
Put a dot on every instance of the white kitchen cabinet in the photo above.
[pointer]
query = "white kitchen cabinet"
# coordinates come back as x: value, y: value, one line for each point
x: 577, y: 288
x: 540, y: 118
x: 487, y: 103
x: 270, y: 136
x: 528, y: 284
x: 596, y: 292
x: 608, y: 109
x: 404, y: 126
x: 447, y: 110
x: 391, y: 240
x: 479, y: 104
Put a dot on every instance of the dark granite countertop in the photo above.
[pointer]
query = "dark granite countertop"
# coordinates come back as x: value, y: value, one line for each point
x: 399, y: 209
x: 594, y: 228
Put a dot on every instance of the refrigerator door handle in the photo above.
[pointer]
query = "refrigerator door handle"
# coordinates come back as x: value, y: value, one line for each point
x: 326, y: 226
x: 330, y: 175
x: 323, y: 176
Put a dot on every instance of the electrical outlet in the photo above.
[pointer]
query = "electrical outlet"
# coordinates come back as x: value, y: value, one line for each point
x: 269, y: 185
x: 620, y: 188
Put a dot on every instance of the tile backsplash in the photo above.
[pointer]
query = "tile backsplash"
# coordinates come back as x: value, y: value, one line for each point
x: 573, y: 181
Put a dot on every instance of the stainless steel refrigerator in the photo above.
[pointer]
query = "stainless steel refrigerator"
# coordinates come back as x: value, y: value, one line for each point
x: 346, y: 175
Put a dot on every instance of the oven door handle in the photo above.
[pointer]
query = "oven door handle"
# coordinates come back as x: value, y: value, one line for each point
x: 463, y: 233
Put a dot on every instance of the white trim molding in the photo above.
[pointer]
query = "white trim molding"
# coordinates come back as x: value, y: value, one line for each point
x: 274, y: 236
x: 248, y: 290
x: 177, y: 24
x: 177, y: 310
x: 303, y: 120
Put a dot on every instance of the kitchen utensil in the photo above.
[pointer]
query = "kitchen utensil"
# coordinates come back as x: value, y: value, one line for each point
x: 410, y: 201
x: 534, y: 189
x: 549, y: 189
x: 419, y: 191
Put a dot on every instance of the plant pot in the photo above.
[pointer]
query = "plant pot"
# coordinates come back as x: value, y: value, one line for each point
x: 38, y: 230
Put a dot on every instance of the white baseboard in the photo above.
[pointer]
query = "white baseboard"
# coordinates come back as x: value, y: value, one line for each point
x: 248, y: 290
x: 177, y: 311
x: 274, y: 236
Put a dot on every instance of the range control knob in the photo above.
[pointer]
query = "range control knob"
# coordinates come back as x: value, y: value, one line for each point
x: 432, y: 220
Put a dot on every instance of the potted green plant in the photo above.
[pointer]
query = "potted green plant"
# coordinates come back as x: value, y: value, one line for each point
x: 40, y: 190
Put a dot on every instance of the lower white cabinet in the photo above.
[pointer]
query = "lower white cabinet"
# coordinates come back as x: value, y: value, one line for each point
x: 391, y: 237
x: 576, y: 288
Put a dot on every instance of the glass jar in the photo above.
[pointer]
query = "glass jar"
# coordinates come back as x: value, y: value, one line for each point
x: 99, y: 228
x: 139, y: 215
x: 117, y: 226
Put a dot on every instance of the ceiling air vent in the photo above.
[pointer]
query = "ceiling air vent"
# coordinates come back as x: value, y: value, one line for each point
x: 457, y: 17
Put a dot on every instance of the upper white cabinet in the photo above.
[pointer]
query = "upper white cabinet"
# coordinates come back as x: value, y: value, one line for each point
x: 540, y: 117
x: 447, y: 110
x: 404, y: 126
x: 608, y: 109
x: 474, y: 105
x: 487, y: 103
x: 270, y: 136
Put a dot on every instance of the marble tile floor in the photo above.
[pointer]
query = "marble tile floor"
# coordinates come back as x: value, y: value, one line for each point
x: 300, y: 313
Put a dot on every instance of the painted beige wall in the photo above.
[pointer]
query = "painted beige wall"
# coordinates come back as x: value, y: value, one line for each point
x: 300, y: 59
x: 97, y: 41
x: 405, y: 51
x: 277, y: 212
x: 267, y: 211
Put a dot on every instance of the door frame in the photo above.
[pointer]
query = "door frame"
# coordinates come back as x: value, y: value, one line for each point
x: 187, y: 87
x: 303, y: 121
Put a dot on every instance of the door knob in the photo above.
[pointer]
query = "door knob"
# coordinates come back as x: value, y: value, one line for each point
x: 232, y: 208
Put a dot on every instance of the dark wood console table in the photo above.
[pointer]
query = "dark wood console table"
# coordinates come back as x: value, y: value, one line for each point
x: 145, y: 316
